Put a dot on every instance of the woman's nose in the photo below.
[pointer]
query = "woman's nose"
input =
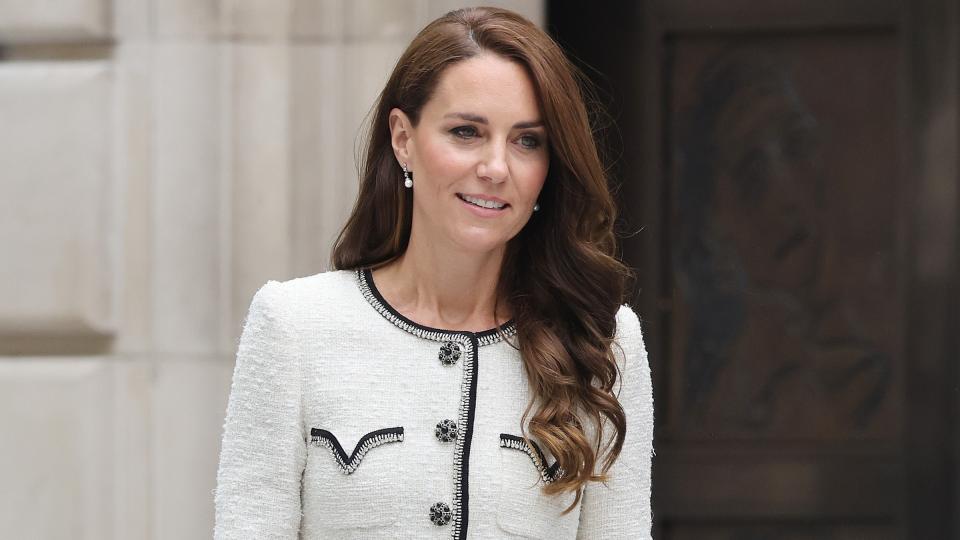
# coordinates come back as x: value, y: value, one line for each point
x: 494, y: 164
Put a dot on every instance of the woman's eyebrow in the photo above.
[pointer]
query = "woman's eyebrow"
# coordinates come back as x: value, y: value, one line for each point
x: 470, y: 117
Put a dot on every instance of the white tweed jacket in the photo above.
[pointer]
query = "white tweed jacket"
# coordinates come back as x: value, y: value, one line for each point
x: 347, y: 420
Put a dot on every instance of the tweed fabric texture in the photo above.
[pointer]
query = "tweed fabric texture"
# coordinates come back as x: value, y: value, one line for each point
x: 323, y: 358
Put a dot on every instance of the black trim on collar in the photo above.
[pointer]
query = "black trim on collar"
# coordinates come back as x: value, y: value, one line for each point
x: 548, y: 474
x: 369, y: 290
x: 322, y: 437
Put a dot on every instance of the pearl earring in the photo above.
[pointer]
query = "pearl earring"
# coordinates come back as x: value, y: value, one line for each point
x: 407, y: 180
x: 536, y: 207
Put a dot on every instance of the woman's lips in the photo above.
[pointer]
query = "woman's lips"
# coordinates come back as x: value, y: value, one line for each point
x: 481, y: 211
x: 482, y: 198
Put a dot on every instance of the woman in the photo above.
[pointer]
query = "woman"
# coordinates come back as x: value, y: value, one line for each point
x: 468, y: 370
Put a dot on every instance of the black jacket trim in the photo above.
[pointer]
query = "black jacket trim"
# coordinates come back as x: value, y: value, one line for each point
x: 370, y: 292
x: 322, y: 437
x: 461, y: 453
x: 548, y: 474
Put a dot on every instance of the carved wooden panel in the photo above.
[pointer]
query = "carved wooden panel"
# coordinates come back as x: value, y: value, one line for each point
x: 788, y: 187
x: 783, y: 224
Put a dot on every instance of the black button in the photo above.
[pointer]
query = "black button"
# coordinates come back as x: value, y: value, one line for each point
x: 446, y: 430
x: 450, y: 352
x: 440, y: 514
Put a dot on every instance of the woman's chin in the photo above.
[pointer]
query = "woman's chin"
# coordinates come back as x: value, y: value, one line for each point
x: 481, y: 240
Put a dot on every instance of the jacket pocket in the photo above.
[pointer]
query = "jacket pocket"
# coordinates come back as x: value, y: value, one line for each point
x: 355, y: 487
x: 349, y: 464
x: 523, y: 509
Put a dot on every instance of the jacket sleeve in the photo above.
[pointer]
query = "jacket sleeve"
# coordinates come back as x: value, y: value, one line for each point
x: 263, y: 451
x: 620, y: 508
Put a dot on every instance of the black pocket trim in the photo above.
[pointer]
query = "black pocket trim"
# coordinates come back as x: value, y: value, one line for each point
x: 548, y: 474
x: 322, y: 437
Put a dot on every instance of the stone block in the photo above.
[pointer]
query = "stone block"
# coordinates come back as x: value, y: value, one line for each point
x: 56, y: 200
x: 132, y: 445
x: 188, y: 190
x: 132, y: 19
x: 55, y: 460
x: 257, y: 19
x: 65, y: 20
x: 188, y: 18
x: 320, y: 20
x: 317, y: 140
x: 261, y: 196
x: 190, y: 400
x: 531, y: 9
x: 134, y: 163
x: 374, y: 20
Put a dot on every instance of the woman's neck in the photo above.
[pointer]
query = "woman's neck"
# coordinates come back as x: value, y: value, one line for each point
x: 440, y: 289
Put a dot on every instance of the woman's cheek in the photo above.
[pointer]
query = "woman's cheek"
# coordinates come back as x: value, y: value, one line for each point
x: 443, y: 157
x: 537, y: 175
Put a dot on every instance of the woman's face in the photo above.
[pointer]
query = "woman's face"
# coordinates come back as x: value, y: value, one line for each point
x: 479, y: 155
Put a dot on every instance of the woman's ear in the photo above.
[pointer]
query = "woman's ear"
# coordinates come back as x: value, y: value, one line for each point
x: 401, y: 131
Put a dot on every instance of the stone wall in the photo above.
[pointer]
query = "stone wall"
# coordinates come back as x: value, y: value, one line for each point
x: 159, y: 161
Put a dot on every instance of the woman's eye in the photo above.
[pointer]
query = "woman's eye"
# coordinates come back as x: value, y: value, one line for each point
x: 529, y: 141
x: 464, y: 132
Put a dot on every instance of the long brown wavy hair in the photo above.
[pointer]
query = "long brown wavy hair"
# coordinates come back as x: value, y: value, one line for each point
x: 564, y: 302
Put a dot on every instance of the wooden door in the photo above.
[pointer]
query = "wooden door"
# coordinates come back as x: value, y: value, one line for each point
x: 788, y: 177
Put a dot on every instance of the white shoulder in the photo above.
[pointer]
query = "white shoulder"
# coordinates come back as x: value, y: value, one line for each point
x: 629, y: 333
x: 331, y: 281
x: 628, y: 322
x: 316, y: 294
x: 630, y: 350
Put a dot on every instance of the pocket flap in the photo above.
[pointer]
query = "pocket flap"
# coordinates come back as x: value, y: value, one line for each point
x: 547, y: 473
x: 348, y: 464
